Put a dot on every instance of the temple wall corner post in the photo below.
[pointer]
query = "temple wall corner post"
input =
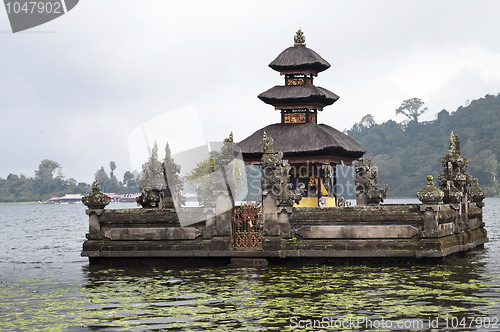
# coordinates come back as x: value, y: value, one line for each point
x: 95, y: 201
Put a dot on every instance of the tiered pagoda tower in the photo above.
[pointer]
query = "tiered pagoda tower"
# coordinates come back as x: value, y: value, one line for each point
x: 312, y: 149
x: 299, y: 99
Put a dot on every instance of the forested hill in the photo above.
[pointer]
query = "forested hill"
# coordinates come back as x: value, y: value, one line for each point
x: 406, y: 153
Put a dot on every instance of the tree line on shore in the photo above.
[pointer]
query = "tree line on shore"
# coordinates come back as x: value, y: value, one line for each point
x: 405, y: 153
x: 49, y: 182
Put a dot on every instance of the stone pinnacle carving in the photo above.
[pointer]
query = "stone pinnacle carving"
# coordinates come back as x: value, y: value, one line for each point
x: 96, y: 199
x: 159, y: 182
x: 476, y: 193
x: 430, y: 194
x: 268, y: 143
x: 454, y: 181
x: 171, y: 196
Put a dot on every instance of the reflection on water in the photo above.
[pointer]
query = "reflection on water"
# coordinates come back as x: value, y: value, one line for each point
x: 68, y: 294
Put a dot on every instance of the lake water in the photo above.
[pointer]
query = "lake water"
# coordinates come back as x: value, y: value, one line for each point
x: 46, y: 286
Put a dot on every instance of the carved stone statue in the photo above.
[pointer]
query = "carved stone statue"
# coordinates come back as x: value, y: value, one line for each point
x: 327, y: 175
x: 276, y: 176
x: 367, y: 191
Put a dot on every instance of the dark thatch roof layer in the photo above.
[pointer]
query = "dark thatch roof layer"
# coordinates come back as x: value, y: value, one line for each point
x: 299, y: 57
x: 307, y: 139
x: 283, y: 94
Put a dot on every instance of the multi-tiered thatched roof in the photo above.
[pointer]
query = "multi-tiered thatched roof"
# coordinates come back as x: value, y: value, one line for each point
x: 303, y: 140
x: 299, y: 94
x: 299, y: 136
x: 299, y: 58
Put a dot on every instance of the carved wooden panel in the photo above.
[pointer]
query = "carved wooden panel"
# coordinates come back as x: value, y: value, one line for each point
x: 295, y: 81
x: 294, y: 118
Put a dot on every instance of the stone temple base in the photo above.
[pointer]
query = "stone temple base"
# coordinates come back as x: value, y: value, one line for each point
x: 413, y: 231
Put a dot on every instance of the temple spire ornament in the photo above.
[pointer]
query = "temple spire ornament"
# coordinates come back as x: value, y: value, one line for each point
x: 159, y: 182
x: 299, y: 38
x: 168, y: 152
x: 455, y: 180
x: 154, y: 151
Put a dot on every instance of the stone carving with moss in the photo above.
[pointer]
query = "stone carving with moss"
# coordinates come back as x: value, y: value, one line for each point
x: 299, y: 38
x: 276, y: 176
x: 96, y: 199
x: 430, y: 194
x: 476, y: 193
x: 454, y: 181
x: 328, y: 175
x: 367, y: 191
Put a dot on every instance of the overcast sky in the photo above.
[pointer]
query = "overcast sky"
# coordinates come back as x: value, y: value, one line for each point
x: 75, y: 89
